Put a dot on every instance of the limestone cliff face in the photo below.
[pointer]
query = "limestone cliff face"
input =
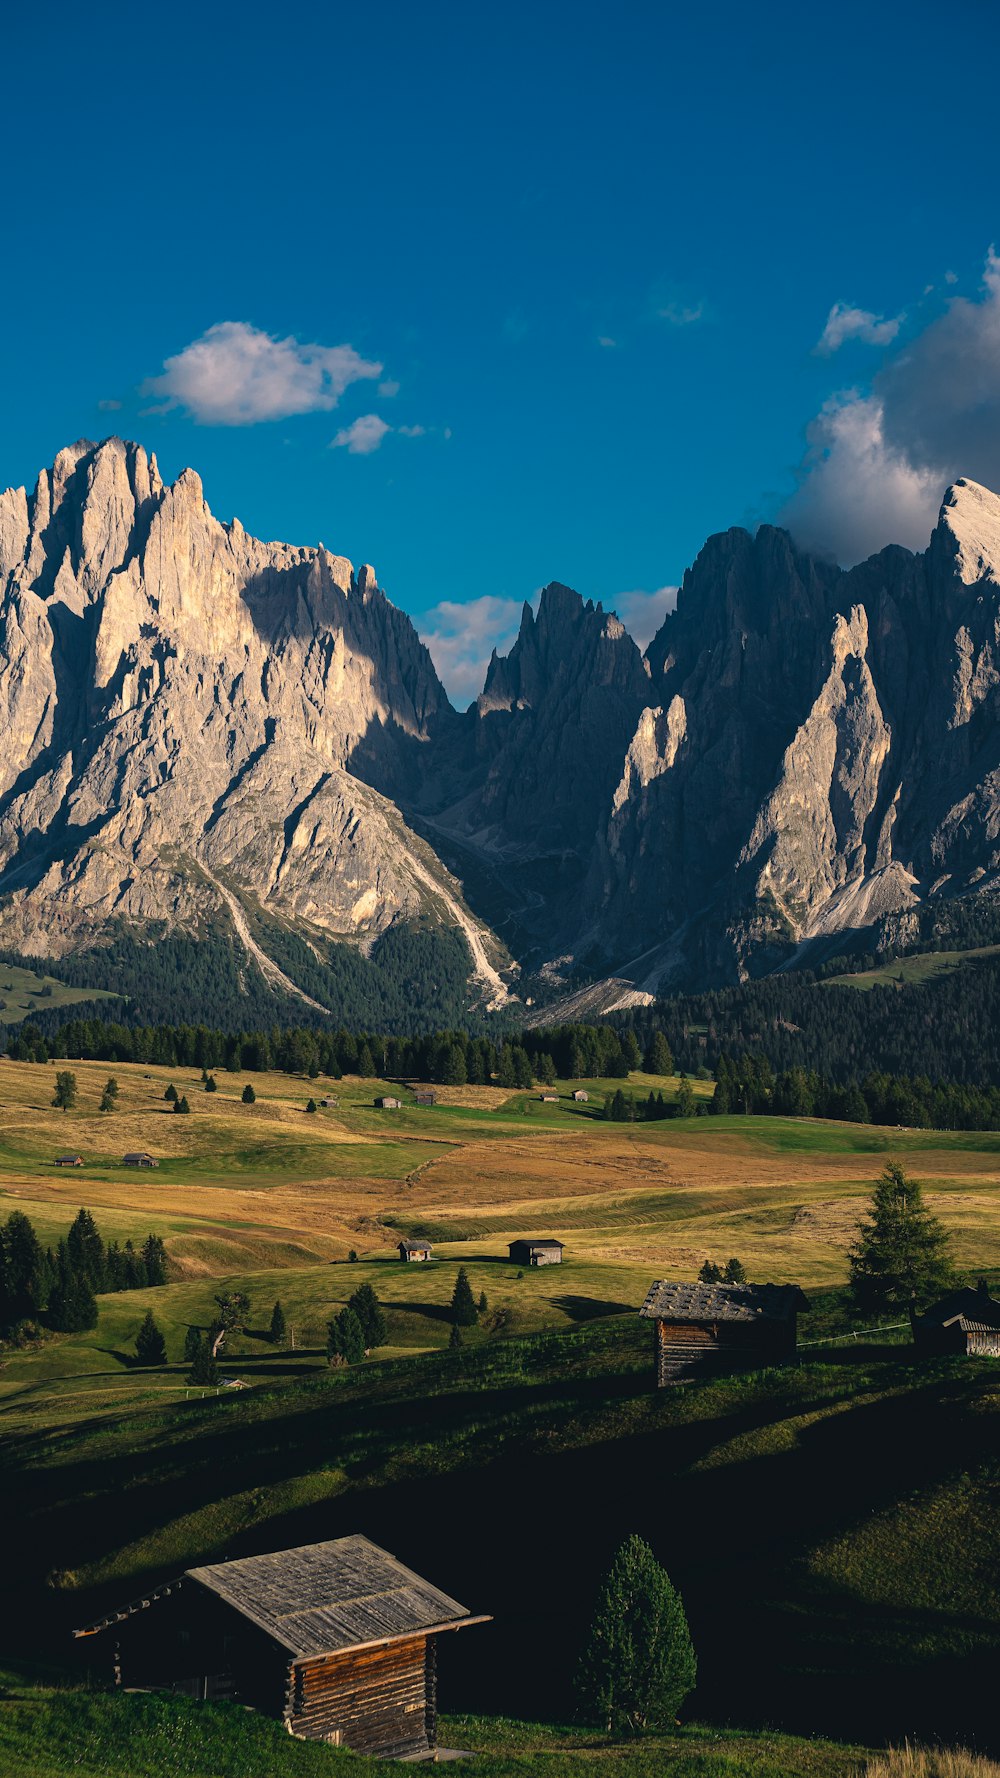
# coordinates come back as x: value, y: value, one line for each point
x: 188, y: 710
x: 200, y: 727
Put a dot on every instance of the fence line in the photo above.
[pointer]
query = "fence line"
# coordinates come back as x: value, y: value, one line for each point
x: 858, y: 1333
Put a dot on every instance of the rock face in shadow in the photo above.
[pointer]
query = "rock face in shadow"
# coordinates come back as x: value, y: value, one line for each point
x: 192, y: 715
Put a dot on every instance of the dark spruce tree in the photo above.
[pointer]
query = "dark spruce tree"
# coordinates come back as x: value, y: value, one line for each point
x: 248, y: 1095
x: 86, y: 1251
x: 171, y: 1094
x: 658, y: 1059
x: 204, y: 1371
x: 368, y: 1310
x: 901, y: 1256
x: 65, y: 1094
x: 638, y: 1665
x: 72, y: 1303
x: 463, y: 1303
x: 192, y: 1340
x: 150, y: 1346
x: 278, y: 1327
x: 345, y: 1339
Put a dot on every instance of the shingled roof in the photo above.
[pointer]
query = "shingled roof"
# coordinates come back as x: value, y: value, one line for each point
x: 973, y: 1308
x: 722, y: 1302
x: 330, y: 1596
x: 322, y: 1598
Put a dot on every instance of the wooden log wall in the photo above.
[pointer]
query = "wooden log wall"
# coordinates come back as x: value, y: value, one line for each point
x: 375, y: 1700
x: 686, y: 1351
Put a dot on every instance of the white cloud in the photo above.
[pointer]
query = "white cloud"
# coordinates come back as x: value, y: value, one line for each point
x: 679, y: 314
x: 847, y: 323
x: 643, y: 613
x: 362, y: 436
x: 461, y: 639
x: 607, y: 342
x: 879, y: 460
x: 237, y: 375
x: 389, y: 388
x: 411, y: 431
x: 109, y: 405
x: 951, y: 277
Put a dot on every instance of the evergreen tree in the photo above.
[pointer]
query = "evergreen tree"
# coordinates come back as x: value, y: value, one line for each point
x: 901, y: 1256
x: 25, y: 1274
x: 345, y: 1338
x: 65, y: 1094
x: 453, y: 1072
x: 150, y: 1346
x: 546, y: 1069
x: 685, y: 1098
x: 368, y: 1310
x: 734, y: 1273
x: 366, y: 1062
x: 204, y: 1371
x: 658, y: 1059
x: 181, y: 1104
x: 507, y: 1077
x: 72, y: 1304
x: 483, y: 1304
x: 455, y: 1337
x: 463, y: 1303
x: 109, y: 1097
x: 211, y: 1084
x: 192, y: 1340
x: 638, y: 1665
x: 311, y: 1105
x: 278, y: 1325
x: 154, y: 1260
x: 234, y: 1313
x: 855, y: 1107
x: 86, y: 1251
x: 352, y: 1257
x: 710, y: 1273
x: 171, y: 1094
x: 249, y: 1095
x: 630, y: 1050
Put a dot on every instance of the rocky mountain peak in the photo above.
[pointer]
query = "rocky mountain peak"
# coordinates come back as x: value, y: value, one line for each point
x: 969, y: 529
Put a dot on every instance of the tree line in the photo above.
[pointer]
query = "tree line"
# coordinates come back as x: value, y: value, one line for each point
x: 58, y: 1288
x: 748, y: 1083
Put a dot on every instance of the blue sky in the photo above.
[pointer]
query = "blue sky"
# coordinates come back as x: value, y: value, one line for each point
x: 592, y: 251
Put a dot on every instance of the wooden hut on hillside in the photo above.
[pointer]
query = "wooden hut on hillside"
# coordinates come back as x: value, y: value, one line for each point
x: 424, y: 1096
x: 537, y: 1252
x: 963, y: 1321
x: 417, y: 1251
x: 69, y: 1160
x: 702, y: 1330
x: 581, y: 1097
x: 139, y: 1158
x: 338, y: 1640
x: 386, y: 1102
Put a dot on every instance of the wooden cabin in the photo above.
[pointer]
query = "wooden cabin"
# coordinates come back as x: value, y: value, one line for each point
x: 329, y: 1101
x: 141, y: 1159
x: 581, y: 1097
x: 338, y: 1640
x: 69, y: 1160
x: 549, y: 1098
x: 963, y: 1321
x: 539, y: 1252
x: 425, y: 1096
x: 387, y: 1103
x: 702, y: 1330
x: 415, y: 1251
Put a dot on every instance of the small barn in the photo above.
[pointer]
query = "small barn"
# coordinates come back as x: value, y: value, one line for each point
x: 387, y: 1103
x: 338, y: 1640
x: 425, y: 1096
x: 549, y: 1098
x: 539, y: 1252
x: 581, y: 1097
x: 140, y: 1159
x: 963, y: 1321
x: 69, y: 1160
x: 702, y: 1330
x: 329, y: 1101
x: 415, y: 1250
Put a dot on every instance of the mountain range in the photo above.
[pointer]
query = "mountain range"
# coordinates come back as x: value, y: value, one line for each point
x: 206, y: 735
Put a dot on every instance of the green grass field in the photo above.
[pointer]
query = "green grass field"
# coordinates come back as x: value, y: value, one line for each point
x: 23, y: 992
x: 902, y: 972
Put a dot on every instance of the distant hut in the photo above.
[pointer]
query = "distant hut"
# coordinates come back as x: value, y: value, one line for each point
x: 139, y: 1159
x: 338, y: 1640
x: 549, y: 1098
x: 331, y: 1099
x: 539, y: 1252
x: 415, y: 1251
x: 581, y: 1097
x: 385, y: 1102
x: 963, y: 1321
x: 69, y: 1160
x: 425, y: 1096
x: 704, y: 1329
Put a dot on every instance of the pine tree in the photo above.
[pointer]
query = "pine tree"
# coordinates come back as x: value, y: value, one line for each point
x: 638, y: 1665
x: 86, y: 1251
x: 204, y: 1371
x: 483, y: 1304
x: 345, y: 1338
x: 278, y: 1325
x: 150, y: 1346
x: 734, y: 1272
x: 658, y: 1059
x: 454, y: 1072
x: 249, y: 1096
x: 901, y: 1256
x: 685, y: 1098
x: 181, y: 1104
x: 171, y: 1094
x: 65, y: 1094
x: 368, y: 1310
x: 455, y: 1337
x: 709, y: 1274
x: 366, y: 1063
x: 311, y: 1105
x: 72, y: 1304
x: 211, y: 1084
x: 109, y: 1097
x: 545, y: 1068
x: 855, y: 1107
x: 463, y: 1303
x: 192, y: 1341
x: 154, y: 1260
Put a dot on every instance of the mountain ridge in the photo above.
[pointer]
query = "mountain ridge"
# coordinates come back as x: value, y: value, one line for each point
x: 209, y: 732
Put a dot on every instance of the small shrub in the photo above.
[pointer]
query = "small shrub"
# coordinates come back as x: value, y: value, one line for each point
x: 249, y: 1096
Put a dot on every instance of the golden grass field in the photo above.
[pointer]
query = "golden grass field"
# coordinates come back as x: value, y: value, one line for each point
x: 277, y: 1197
